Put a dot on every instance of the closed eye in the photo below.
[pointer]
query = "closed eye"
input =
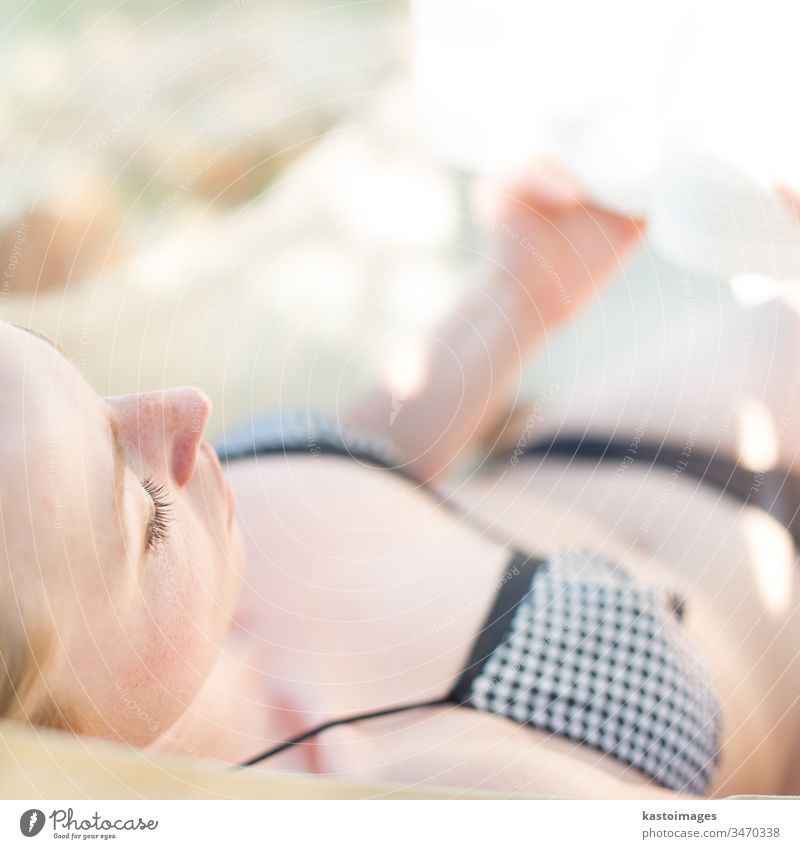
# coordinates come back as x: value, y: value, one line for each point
x: 158, y: 527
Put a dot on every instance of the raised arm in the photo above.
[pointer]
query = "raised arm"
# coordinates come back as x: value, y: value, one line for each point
x: 548, y: 254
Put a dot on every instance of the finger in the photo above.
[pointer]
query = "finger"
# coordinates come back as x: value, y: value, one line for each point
x: 620, y: 228
x: 622, y: 234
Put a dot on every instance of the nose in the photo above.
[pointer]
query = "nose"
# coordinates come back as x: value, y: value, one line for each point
x: 163, y: 430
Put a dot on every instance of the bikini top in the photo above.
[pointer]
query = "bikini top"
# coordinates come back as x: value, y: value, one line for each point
x: 571, y: 646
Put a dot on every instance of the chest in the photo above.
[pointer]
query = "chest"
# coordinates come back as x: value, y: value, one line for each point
x: 360, y: 591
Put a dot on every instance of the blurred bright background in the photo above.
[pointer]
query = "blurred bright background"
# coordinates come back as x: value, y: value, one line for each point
x: 264, y: 198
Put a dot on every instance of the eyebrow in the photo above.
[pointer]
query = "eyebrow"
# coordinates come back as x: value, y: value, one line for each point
x: 118, y: 459
x: 44, y: 338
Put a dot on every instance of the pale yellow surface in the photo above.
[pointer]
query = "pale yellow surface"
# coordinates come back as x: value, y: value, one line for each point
x: 37, y: 764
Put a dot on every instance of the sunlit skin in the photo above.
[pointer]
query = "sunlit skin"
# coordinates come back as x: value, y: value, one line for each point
x: 134, y: 624
x: 359, y: 591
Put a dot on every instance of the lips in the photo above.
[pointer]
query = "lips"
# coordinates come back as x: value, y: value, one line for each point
x: 222, y: 479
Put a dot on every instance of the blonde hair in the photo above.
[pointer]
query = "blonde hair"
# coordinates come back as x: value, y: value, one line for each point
x: 26, y: 649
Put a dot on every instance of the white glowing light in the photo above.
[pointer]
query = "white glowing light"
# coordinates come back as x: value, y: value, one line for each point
x: 405, y: 372
x: 758, y: 438
x: 750, y: 289
x: 772, y: 557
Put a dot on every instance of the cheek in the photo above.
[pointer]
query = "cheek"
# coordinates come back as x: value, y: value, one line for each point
x: 215, y: 557
x: 174, y: 649
x: 181, y: 604
x: 171, y: 660
x: 192, y: 590
x: 139, y: 662
x: 188, y: 593
x: 138, y: 665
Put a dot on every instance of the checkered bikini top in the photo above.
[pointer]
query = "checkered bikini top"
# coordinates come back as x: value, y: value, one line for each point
x: 572, y: 645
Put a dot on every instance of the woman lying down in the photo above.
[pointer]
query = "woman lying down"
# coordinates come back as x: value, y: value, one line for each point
x: 362, y: 614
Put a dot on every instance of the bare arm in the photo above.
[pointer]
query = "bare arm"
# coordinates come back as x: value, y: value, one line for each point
x: 549, y: 253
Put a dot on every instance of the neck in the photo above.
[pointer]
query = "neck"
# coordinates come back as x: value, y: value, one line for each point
x: 230, y: 718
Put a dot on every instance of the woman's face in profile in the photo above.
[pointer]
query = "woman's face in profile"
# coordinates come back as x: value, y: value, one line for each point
x: 117, y: 519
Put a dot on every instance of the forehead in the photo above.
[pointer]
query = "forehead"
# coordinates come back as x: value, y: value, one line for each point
x: 46, y: 404
x: 31, y: 361
x: 57, y: 450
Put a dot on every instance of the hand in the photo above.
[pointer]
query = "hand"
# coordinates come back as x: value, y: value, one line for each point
x: 548, y: 240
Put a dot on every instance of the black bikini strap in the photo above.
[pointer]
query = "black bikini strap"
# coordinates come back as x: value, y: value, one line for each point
x: 318, y: 729
x: 777, y: 491
x: 516, y: 582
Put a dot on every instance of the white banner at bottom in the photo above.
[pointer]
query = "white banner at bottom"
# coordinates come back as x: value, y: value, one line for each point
x: 403, y: 824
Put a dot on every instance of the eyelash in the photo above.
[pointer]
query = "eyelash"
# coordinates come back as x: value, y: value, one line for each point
x: 158, y: 527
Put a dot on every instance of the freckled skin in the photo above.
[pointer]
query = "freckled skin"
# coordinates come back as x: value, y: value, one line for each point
x: 138, y: 630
